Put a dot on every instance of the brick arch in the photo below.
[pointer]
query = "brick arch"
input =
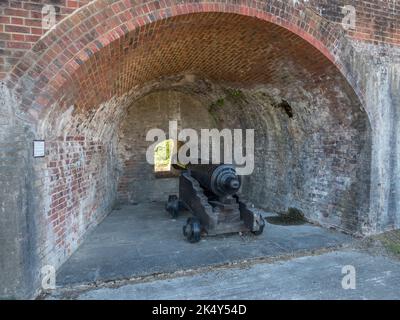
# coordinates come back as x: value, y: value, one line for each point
x: 41, y: 75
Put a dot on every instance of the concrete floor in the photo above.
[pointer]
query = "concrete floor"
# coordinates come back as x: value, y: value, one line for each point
x: 144, y: 250
x: 311, y: 278
x: 143, y: 240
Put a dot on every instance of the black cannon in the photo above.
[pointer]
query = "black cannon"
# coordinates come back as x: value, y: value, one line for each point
x: 209, y: 192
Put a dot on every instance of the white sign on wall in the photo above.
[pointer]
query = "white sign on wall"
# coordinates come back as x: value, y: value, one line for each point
x: 38, y: 149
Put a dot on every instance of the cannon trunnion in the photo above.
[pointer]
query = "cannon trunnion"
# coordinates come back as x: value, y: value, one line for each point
x: 209, y: 192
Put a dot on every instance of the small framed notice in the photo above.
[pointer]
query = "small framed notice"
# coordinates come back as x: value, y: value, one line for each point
x: 38, y: 149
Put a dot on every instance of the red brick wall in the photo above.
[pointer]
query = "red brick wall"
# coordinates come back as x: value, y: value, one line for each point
x: 377, y: 21
x: 20, y: 21
x: 21, y: 26
x: 77, y: 193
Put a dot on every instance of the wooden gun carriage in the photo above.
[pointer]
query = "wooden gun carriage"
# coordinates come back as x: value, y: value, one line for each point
x: 209, y: 192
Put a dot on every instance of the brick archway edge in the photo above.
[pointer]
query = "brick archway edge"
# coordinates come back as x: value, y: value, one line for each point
x: 40, y: 74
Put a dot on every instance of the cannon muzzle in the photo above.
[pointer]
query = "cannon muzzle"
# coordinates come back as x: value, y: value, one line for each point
x: 221, y: 179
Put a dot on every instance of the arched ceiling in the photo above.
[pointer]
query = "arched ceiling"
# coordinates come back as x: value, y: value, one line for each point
x: 229, y: 48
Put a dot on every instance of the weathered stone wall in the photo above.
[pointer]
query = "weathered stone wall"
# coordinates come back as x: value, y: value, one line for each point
x: 73, y: 84
x: 377, y: 72
x: 18, y: 228
x: 313, y: 156
x: 75, y: 183
x: 137, y: 182
x: 49, y: 204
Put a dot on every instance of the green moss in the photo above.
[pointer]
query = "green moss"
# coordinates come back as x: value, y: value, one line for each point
x: 391, y: 241
x: 232, y: 95
x: 214, y: 107
x: 394, y: 248
x: 217, y: 104
x: 235, y: 94
x: 292, y: 217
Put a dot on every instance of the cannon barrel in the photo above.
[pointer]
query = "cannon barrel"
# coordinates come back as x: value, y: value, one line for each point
x: 221, y: 179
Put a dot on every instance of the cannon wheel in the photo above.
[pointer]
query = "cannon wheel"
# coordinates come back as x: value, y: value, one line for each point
x: 173, y: 206
x: 260, y: 231
x: 192, y: 230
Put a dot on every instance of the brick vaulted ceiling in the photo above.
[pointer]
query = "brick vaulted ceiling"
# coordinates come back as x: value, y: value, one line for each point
x: 222, y: 47
x: 225, y: 47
